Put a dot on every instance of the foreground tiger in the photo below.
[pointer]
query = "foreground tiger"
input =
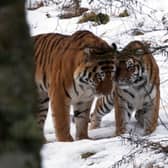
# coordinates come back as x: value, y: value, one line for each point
x: 72, y: 70
x: 138, y: 90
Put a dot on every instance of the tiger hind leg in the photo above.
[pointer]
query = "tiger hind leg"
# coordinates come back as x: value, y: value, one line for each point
x: 147, y: 118
x: 123, y: 114
x: 104, y: 105
x: 43, y: 109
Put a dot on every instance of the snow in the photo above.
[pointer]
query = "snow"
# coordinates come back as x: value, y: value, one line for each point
x: 108, y: 151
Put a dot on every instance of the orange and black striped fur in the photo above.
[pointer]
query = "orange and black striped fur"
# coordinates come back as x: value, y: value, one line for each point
x: 72, y: 70
x: 138, y: 89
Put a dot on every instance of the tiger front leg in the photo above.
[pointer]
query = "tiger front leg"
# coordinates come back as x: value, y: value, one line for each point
x: 95, y: 121
x: 104, y: 105
x: 148, y: 116
x: 96, y: 116
x: 81, y: 114
x: 122, y: 115
x: 61, y: 117
x: 41, y: 114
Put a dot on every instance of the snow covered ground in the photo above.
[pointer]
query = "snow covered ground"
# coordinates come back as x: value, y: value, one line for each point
x: 129, y: 151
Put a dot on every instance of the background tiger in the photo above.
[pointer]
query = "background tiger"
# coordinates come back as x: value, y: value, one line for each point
x: 138, y: 89
x: 71, y: 70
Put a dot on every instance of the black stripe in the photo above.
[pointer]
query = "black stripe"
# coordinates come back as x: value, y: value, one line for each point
x: 126, y: 91
x: 42, y: 110
x: 129, y: 115
x: 101, y: 110
x: 58, y: 41
x: 81, y: 87
x: 74, y: 86
x: 66, y: 92
x: 143, y: 69
x: 41, y: 121
x: 83, y: 81
x: 42, y: 116
x: 77, y: 112
x: 41, y: 87
x: 142, y: 85
x: 79, y: 36
x: 50, y: 49
x: 38, y: 52
x: 45, y: 100
x: 44, y: 80
x: 130, y: 106
x: 42, y: 51
x: 46, y: 52
x: 85, y: 71
x: 90, y: 74
x: 107, y: 68
x: 107, y: 108
x: 150, y: 72
x: 109, y: 101
x: 149, y: 92
x: 121, y: 97
x: 79, y: 103
x: 66, y: 47
x: 94, y: 69
x: 47, y: 44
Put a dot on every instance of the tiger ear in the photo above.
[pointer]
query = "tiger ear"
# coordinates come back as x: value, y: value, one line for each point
x: 114, y: 46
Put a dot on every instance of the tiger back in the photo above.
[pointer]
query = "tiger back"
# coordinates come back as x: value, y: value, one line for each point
x: 138, y: 89
x: 72, y: 70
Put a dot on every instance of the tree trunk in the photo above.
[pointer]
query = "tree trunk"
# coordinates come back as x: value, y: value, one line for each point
x: 20, y: 138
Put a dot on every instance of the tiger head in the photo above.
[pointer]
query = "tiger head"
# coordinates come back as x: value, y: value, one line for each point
x: 97, y: 70
x: 131, y: 69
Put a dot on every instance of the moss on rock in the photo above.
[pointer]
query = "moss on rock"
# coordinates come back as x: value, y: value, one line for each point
x: 99, y: 18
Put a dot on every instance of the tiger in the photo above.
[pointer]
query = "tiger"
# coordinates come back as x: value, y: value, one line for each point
x: 137, y: 90
x: 70, y: 71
